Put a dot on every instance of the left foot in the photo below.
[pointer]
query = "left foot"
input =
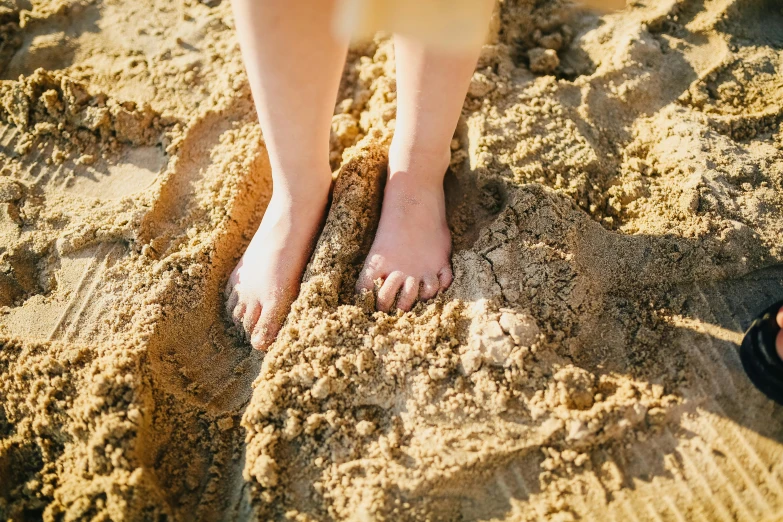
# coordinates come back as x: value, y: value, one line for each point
x: 412, y: 247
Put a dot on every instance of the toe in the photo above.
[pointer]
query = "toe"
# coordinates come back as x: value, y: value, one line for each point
x: 445, y: 277
x: 250, y: 319
x: 371, y: 271
x: 261, y: 339
x: 366, y: 279
x: 429, y: 287
x: 779, y: 343
x: 238, y: 313
x: 408, y: 294
x: 779, y: 317
x: 267, y: 326
x: 389, y: 290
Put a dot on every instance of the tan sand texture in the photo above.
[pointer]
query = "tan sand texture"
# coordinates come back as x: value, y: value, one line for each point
x: 615, y: 199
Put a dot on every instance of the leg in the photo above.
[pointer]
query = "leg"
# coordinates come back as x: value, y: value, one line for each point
x: 412, y: 247
x: 779, y: 340
x: 294, y: 65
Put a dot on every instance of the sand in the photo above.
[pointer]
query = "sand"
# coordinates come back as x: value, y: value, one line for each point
x: 615, y: 199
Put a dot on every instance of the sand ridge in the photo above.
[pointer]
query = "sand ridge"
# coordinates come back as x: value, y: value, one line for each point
x: 614, y: 195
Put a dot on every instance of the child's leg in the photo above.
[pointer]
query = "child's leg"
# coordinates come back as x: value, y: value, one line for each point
x: 413, y: 245
x: 294, y: 65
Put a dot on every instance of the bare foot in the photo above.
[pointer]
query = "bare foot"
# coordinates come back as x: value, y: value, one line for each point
x: 266, y: 280
x: 412, y: 247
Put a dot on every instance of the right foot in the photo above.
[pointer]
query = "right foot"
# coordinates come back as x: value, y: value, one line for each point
x: 266, y: 280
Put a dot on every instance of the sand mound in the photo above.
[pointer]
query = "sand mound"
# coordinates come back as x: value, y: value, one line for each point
x: 615, y: 200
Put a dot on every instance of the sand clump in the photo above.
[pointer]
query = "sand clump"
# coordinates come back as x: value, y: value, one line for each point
x: 614, y: 196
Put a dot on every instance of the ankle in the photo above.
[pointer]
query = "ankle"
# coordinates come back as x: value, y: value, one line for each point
x: 426, y: 164
x: 309, y: 187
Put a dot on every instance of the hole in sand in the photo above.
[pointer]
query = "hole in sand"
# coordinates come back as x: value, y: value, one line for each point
x: 19, y: 278
x: 471, y: 204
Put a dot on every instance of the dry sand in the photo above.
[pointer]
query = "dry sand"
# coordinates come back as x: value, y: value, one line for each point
x: 615, y: 198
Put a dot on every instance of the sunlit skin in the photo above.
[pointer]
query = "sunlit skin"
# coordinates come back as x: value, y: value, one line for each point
x: 412, y: 247
x: 779, y: 340
x: 294, y: 80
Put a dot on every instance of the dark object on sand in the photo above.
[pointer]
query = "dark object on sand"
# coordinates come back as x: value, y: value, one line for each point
x: 759, y: 356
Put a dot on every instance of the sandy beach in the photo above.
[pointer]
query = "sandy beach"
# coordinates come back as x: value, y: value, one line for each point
x: 615, y: 197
